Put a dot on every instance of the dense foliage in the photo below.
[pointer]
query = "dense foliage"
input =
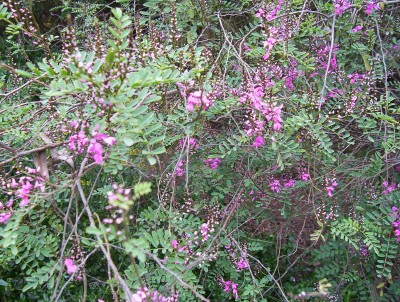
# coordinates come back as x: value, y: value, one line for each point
x: 163, y: 150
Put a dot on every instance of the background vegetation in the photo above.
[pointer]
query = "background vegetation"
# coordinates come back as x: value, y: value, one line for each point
x: 206, y: 150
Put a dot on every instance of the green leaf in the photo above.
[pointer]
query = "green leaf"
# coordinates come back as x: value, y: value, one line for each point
x: 110, y: 57
x: 128, y: 141
x: 23, y: 73
x: 152, y: 161
x: 142, y: 188
x: 117, y: 13
x: 93, y: 231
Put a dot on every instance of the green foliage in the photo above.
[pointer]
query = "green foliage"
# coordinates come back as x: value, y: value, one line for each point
x: 204, y: 150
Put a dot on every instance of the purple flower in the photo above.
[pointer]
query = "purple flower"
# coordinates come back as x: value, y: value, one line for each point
x: 259, y: 142
x: 213, y: 163
x: 357, y: 28
x: 178, y: 169
x: 275, y: 186
x: 289, y: 183
x: 330, y: 187
x: 230, y: 286
x: 241, y: 264
x: 341, y: 6
x: 371, y: 6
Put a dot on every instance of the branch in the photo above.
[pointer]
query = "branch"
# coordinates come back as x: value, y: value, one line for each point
x: 23, y: 153
x: 127, y: 291
x: 183, y: 283
x: 4, y: 146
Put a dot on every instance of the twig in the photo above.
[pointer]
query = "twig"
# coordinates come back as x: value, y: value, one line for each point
x: 183, y: 283
x: 127, y: 291
x: 23, y: 153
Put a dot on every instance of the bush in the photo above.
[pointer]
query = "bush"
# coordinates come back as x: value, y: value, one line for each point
x: 200, y: 151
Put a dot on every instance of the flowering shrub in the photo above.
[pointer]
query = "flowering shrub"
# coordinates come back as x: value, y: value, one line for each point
x: 200, y: 151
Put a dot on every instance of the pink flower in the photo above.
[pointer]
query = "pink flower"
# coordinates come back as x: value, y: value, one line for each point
x: 213, y: 163
x: 5, y: 217
x: 241, y: 264
x: 198, y: 98
x: 178, y: 169
x: 388, y: 188
x: 193, y: 144
x: 289, y: 183
x: 204, y: 230
x: 370, y: 7
x: 175, y: 244
x: 341, y: 6
x: 74, y: 124
x: 230, y: 286
x: 260, y: 13
x: 330, y: 188
x: 269, y: 43
x: 111, y: 141
x: 96, y: 150
x: 71, y: 267
x: 357, y: 28
x: 259, y: 142
x: 275, y: 186
x: 13, y: 183
x: 304, y: 176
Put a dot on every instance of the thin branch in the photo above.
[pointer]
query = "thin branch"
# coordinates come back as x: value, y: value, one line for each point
x: 28, y: 152
x: 179, y: 279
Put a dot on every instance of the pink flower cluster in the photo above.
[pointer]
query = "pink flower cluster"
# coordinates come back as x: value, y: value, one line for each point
x: 179, y: 171
x: 357, y: 28
x: 241, y: 264
x: 144, y: 295
x: 198, y: 99
x: 371, y: 6
x: 78, y: 143
x: 22, y: 189
x: 396, y: 222
x: 230, y: 287
x: 330, y: 185
x: 271, y: 112
x: 71, y: 266
x: 178, y: 247
x: 304, y: 174
x: 276, y: 185
x: 388, y: 188
x: 26, y: 184
x: 364, y: 250
x: 272, y: 39
x: 204, y: 231
x: 341, y: 6
x: 269, y: 14
x: 322, y: 58
x: 193, y: 144
x: 259, y: 142
x: 288, y: 181
x: 354, y: 77
x: 5, y: 216
x: 212, y: 163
